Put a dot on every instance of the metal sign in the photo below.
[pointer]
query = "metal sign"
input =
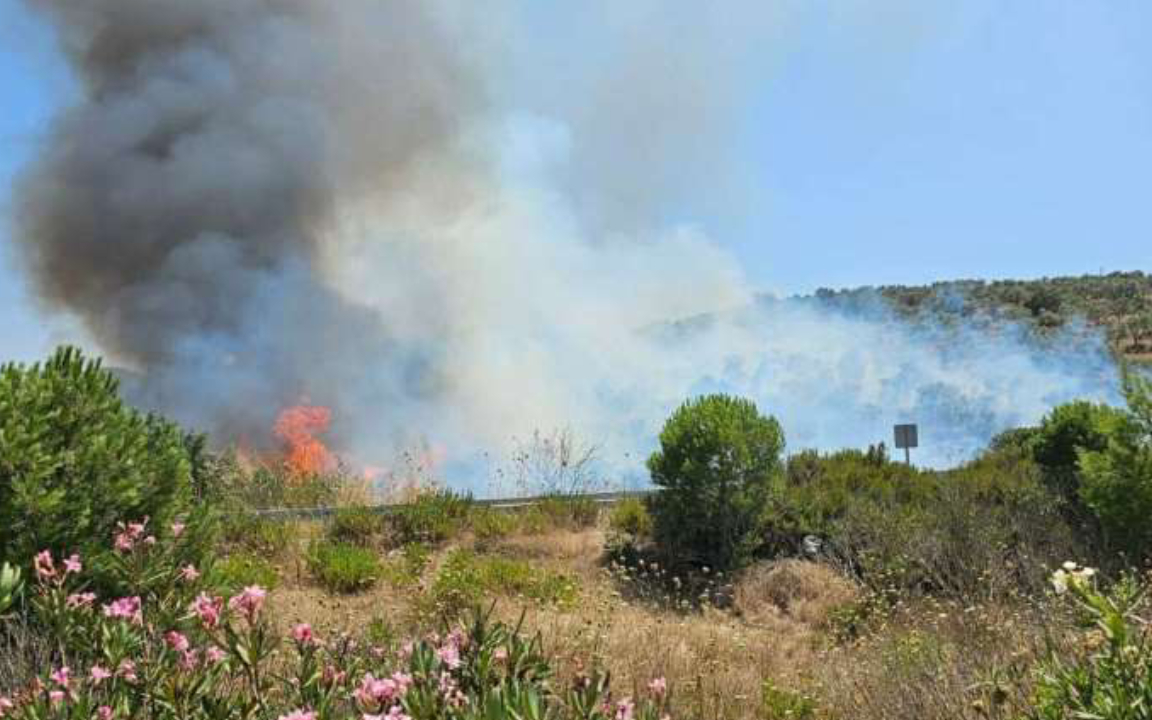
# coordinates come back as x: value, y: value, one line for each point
x: 907, y: 437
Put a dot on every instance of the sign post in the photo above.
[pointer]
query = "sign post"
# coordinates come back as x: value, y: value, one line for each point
x: 907, y: 437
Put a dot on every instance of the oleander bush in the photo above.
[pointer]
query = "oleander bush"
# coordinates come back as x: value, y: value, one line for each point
x: 171, y: 648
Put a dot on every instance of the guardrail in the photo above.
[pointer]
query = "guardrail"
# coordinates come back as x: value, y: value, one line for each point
x: 606, y: 498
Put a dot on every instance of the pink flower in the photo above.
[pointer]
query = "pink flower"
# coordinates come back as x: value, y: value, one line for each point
x: 127, y: 608
x: 500, y: 655
x: 56, y: 697
x: 248, y: 602
x: 375, y: 693
x: 123, y: 542
x: 45, y: 568
x: 177, y: 529
x: 189, y: 573
x: 150, y: 540
x: 127, y: 670
x: 104, y: 713
x: 80, y: 600
x: 214, y: 655
x: 403, y: 681
x: 658, y: 687
x: 298, y: 715
x: 72, y: 565
x: 333, y: 676
x: 6, y: 704
x: 189, y: 659
x: 449, y: 655
x: 125, y: 539
x: 177, y: 641
x: 208, y: 609
x: 624, y: 709
x: 62, y: 676
x: 302, y: 634
x: 98, y: 674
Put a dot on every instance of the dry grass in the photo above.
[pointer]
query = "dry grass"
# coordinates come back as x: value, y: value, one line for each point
x: 925, y: 661
x: 805, y: 591
x: 24, y: 653
x: 937, y: 661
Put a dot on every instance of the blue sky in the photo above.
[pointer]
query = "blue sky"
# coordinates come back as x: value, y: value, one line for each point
x: 901, y: 141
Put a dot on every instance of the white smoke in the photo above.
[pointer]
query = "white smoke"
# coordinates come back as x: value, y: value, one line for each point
x: 393, y: 209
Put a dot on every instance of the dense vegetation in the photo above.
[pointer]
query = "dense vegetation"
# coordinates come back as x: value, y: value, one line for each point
x: 1119, y: 303
x: 747, y: 584
x: 75, y: 462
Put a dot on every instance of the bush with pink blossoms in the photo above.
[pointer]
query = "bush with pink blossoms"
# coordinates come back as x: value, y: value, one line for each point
x: 166, y: 647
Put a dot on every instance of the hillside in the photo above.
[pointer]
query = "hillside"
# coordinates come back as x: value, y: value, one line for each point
x: 1120, y: 303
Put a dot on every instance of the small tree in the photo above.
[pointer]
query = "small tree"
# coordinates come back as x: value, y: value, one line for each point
x: 74, y: 460
x: 717, y: 460
x: 1116, y: 482
x: 1066, y: 432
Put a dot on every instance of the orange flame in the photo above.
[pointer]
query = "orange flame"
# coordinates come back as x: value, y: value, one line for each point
x: 297, y: 427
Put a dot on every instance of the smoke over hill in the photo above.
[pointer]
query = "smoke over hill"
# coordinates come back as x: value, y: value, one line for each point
x: 357, y: 203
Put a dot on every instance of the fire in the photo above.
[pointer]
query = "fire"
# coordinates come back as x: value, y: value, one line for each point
x: 298, y: 427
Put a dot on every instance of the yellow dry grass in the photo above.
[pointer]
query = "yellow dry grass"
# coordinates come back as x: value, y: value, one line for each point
x: 926, y: 661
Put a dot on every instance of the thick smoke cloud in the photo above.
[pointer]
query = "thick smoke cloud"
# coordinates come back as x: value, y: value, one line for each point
x: 419, y: 215
x: 181, y: 207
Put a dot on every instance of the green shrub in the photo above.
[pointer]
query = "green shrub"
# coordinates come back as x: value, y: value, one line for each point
x: 983, y: 528
x: 777, y: 703
x: 630, y: 518
x: 75, y: 461
x: 488, y: 524
x: 243, y: 569
x: 344, y: 568
x: 1064, y: 434
x: 465, y: 578
x: 571, y: 511
x: 265, y: 536
x: 715, y: 468
x: 1116, y: 481
x: 355, y: 525
x: 432, y: 518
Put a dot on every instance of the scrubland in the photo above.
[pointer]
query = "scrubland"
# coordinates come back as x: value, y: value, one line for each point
x: 753, y: 585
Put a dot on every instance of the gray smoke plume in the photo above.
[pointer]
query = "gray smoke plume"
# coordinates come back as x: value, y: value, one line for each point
x: 454, y: 233
x: 182, y: 206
